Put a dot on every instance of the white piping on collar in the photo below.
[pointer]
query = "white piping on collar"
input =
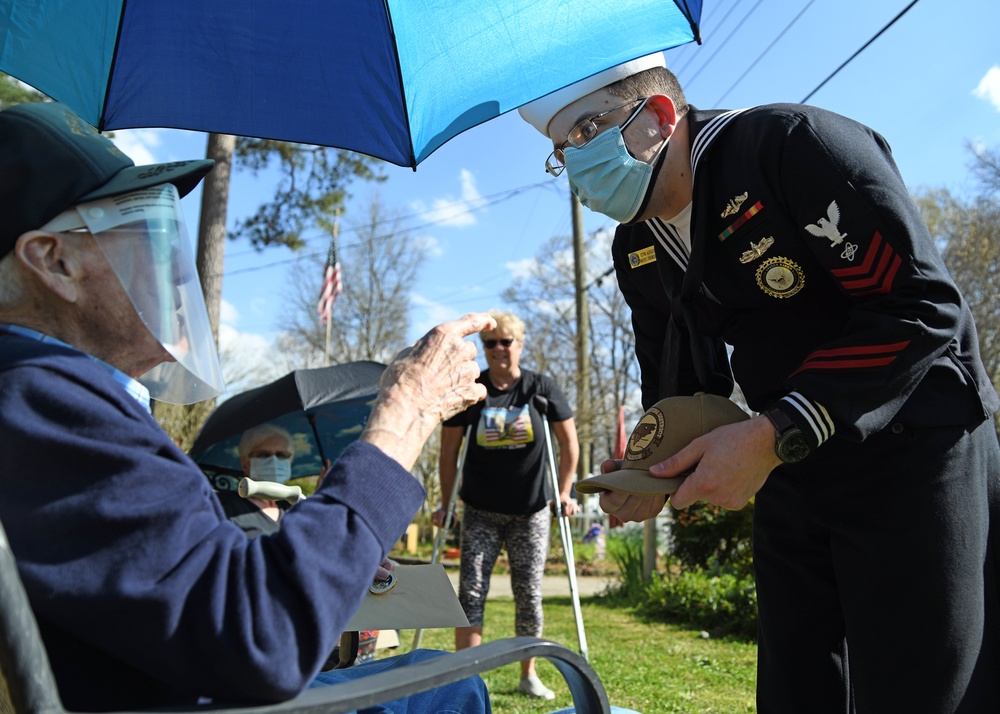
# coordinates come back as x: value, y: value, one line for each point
x: 708, y: 133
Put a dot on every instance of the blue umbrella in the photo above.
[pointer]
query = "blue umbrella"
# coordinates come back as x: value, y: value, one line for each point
x: 394, y: 79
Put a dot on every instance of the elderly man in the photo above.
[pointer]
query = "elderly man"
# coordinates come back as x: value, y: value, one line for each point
x: 786, y: 232
x: 146, y: 598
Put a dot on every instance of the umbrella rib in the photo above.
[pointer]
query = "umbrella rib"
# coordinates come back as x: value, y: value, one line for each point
x: 695, y: 29
x: 402, y: 88
x: 111, y: 69
x: 319, y: 442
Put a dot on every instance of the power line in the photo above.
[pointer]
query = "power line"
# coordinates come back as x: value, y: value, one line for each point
x: 724, y: 42
x: 761, y: 55
x: 862, y: 49
x: 691, y: 49
x: 471, y: 205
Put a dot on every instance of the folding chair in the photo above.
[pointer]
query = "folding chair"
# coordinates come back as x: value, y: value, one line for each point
x: 31, y: 687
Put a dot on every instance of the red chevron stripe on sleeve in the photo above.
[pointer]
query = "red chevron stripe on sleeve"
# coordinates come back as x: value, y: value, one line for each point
x: 876, y: 273
x: 861, y: 357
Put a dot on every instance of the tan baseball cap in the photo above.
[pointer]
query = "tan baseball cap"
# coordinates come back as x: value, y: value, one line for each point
x: 666, y: 428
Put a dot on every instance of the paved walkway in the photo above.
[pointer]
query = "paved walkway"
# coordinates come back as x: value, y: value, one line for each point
x: 551, y: 585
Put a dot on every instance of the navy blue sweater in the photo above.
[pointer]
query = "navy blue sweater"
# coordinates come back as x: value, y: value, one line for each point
x: 145, y: 594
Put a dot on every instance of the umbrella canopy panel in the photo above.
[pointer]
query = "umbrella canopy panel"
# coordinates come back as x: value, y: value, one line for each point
x: 331, y: 403
x: 393, y: 79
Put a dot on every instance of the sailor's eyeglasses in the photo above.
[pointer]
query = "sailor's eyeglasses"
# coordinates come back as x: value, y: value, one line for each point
x: 584, y: 132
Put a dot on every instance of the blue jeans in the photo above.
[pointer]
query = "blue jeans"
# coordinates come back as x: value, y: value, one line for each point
x: 468, y: 696
x: 614, y: 710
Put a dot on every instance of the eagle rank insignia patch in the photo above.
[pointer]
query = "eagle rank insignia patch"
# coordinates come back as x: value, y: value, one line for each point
x: 827, y: 227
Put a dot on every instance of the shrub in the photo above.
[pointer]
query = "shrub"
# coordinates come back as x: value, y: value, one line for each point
x: 704, y: 534
x: 721, y: 598
x: 725, y: 603
x: 624, y: 548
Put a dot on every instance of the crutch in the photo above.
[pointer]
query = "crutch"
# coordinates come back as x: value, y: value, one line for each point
x: 542, y: 404
x: 269, y: 489
x: 446, y: 526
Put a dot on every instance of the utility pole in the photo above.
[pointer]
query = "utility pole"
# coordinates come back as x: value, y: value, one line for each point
x: 583, y: 409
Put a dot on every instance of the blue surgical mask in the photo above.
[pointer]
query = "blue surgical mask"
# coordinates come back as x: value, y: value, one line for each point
x: 271, y: 468
x: 607, y: 178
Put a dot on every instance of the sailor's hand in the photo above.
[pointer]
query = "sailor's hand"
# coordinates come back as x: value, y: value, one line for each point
x: 731, y: 463
x: 622, y: 507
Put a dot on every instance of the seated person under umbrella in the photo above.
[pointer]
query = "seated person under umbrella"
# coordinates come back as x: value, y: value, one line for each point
x: 266, y: 453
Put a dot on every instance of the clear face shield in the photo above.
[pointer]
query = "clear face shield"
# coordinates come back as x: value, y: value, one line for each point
x: 144, y: 239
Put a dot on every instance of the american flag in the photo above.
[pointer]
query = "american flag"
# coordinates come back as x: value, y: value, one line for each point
x: 507, y: 425
x: 332, y: 287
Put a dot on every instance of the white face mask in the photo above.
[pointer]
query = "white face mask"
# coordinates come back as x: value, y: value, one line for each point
x: 271, y: 468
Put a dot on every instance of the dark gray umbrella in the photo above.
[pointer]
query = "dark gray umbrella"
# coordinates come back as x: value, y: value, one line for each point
x: 324, y: 409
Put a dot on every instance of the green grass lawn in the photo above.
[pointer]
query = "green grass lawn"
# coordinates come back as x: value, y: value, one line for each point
x: 651, y: 667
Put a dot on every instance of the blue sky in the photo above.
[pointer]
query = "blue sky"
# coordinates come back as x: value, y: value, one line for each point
x: 483, y: 204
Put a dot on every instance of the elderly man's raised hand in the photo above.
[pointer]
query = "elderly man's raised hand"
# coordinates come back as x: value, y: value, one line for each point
x: 425, y: 384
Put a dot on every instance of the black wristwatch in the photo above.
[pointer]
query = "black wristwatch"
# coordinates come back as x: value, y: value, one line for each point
x: 789, y: 442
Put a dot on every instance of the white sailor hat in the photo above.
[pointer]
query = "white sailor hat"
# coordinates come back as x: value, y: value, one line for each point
x: 540, y: 112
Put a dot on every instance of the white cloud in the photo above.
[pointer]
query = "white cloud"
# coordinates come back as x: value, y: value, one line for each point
x: 228, y: 314
x: 451, y: 211
x: 248, y: 359
x: 524, y: 268
x: 429, y: 245
x: 560, y: 261
x: 260, y: 306
x: 140, y: 145
x: 427, y: 314
x: 989, y: 87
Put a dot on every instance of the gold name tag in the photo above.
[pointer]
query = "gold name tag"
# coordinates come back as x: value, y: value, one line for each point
x: 641, y: 257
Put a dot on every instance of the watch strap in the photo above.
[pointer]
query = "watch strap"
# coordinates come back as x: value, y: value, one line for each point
x: 781, y: 421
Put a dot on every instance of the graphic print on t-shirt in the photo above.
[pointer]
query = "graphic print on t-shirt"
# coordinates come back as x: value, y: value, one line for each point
x: 501, y: 428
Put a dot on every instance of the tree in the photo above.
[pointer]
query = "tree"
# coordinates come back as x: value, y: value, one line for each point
x: 313, y: 183
x: 968, y: 231
x: 370, y: 320
x: 13, y: 91
x: 543, y: 297
x: 986, y: 168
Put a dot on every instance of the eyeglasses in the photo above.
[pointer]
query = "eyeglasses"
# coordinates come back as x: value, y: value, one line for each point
x: 584, y: 132
x: 264, y: 453
x: 490, y: 344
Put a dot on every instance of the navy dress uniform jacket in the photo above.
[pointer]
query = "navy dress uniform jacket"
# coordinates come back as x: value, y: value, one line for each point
x: 808, y: 258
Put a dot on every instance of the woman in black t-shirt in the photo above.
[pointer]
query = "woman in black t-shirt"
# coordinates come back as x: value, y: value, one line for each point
x: 504, y: 491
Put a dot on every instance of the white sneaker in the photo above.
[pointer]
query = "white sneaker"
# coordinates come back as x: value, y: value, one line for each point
x: 533, y: 687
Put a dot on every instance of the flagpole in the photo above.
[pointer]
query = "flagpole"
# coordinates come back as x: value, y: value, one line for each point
x: 326, y: 346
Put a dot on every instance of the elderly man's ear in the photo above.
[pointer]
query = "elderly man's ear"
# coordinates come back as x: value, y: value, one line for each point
x: 51, y: 261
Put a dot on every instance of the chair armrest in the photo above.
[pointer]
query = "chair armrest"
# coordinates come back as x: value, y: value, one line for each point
x: 23, y: 661
x: 584, y: 684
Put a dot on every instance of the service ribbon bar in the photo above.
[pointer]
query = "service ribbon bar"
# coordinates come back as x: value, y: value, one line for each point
x: 747, y: 215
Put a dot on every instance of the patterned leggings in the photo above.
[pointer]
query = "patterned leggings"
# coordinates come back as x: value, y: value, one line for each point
x: 526, y: 538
